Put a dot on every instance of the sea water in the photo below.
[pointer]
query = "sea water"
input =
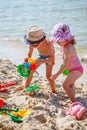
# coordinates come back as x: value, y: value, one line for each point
x: 16, y: 16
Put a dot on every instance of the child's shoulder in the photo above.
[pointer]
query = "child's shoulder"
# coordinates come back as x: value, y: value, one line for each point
x: 48, y: 42
x: 71, y: 49
x: 68, y: 48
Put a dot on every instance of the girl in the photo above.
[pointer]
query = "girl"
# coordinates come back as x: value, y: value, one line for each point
x: 62, y: 36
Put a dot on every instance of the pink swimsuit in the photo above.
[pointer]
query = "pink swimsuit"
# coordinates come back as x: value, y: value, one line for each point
x: 75, y: 65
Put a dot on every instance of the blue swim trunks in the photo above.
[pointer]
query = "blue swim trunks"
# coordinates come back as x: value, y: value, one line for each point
x: 44, y: 57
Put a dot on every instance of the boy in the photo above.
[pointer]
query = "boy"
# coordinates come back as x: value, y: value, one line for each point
x: 36, y: 38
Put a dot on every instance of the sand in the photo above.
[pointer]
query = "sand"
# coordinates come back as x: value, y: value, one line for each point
x: 47, y: 110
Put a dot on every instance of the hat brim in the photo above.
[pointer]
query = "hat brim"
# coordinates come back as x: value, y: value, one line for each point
x: 33, y: 42
x: 62, y: 38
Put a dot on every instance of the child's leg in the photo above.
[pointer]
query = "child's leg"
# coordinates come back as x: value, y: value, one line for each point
x: 72, y: 87
x: 48, y: 75
x: 28, y: 80
x: 67, y: 85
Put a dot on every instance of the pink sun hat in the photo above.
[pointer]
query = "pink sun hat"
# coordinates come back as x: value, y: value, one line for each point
x: 61, y: 33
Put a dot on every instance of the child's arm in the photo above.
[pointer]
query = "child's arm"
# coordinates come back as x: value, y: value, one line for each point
x: 64, y: 67
x: 29, y: 53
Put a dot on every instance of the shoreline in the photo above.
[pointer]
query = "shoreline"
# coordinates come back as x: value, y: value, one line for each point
x: 16, y: 52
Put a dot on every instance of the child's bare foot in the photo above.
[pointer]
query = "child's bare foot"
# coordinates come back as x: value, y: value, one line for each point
x: 19, y: 88
x: 23, y: 90
x: 53, y: 91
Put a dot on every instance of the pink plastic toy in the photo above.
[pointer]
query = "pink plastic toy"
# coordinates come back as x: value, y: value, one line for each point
x: 77, y: 109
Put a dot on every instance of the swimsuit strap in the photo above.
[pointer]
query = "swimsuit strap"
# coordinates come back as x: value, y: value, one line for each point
x: 61, y: 53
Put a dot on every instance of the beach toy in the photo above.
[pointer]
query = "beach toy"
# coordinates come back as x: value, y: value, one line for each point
x: 32, y: 67
x: 21, y: 113
x: 66, y: 72
x: 26, y: 64
x: 5, y: 109
x: 77, y: 109
x: 32, y: 90
x: 26, y: 69
x: 31, y: 61
x: 0, y: 113
x: 4, y: 89
x: 7, y: 84
x: 32, y: 64
x: 14, y: 118
x: 23, y: 70
x: 1, y: 103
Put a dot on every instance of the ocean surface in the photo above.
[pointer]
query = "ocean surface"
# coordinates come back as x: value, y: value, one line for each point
x: 16, y: 16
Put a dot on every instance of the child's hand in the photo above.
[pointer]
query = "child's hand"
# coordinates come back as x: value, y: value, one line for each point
x: 26, y: 59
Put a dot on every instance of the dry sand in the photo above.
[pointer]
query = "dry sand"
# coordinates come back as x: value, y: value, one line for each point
x: 47, y: 108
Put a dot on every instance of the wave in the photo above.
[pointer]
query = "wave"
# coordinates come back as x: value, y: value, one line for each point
x: 11, y: 39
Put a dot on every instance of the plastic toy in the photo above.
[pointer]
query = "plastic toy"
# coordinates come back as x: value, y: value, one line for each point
x: 3, y: 89
x: 0, y: 113
x: 66, y: 72
x: 15, y: 114
x: 32, y: 67
x: 26, y: 68
x: 23, y: 70
x: 14, y: 118
x: 77, y: 109
x: 5, y: 109
x: 31, y: 61
x: 7, y: 84
x: 32, y: 90
x: 21, y: 113
x: 1, y: 103
x: 26, y: 64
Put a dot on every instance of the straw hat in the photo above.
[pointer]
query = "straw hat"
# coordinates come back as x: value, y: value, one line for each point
x: 35, y: 33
